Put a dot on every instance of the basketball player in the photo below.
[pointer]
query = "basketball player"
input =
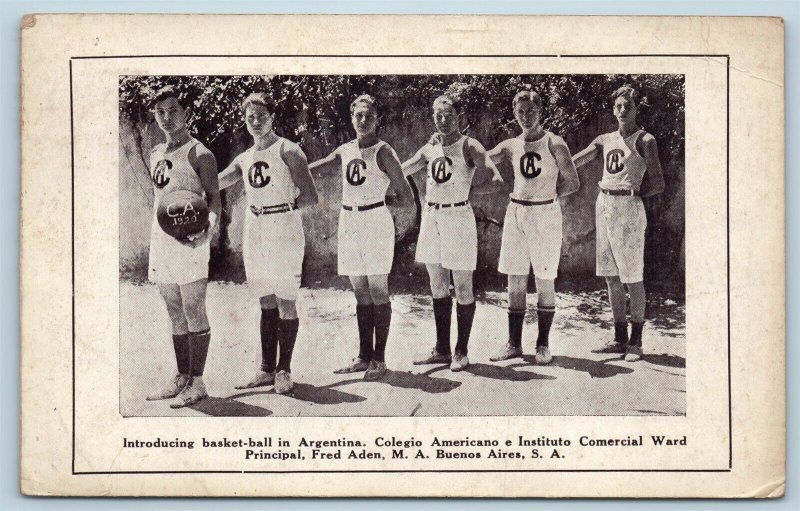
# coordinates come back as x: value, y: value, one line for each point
x: 448, y: 239
x: 277, y: 183
x: 543, y: 172
x: 180, y: 267
x: 370, y: 169
x: 631, y: 170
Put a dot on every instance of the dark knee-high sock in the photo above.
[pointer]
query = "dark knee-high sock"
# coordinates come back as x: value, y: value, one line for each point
x: 621, y: 332
x: 180, y: 342
x: 442, y: 312
x: 269, y: 339
x: 464, y: 316
x: 287, y: 335
x: 636, y: 333
x: 198, y: 350
x: 545, y: 314
x: 383, y: 318
x: 516, y: 318
x: 365, y: 317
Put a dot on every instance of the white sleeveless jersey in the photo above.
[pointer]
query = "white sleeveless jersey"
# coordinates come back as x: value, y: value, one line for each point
x: 623, y: 166
x: 535, y: 169
x: 363, y: 182
x: 267, y: 179
x: 172, y: 171
x: 449, y: 175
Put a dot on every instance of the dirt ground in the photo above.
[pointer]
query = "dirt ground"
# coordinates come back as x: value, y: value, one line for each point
x: 577, y: 382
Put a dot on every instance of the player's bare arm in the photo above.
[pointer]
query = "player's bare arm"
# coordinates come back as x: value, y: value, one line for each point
x: 591, y: 152
x: 326, y: 164
x: 231, y: 175
x: 205, y: 164
x: 568, y: 182
x: 487, y: 178
x: 296, y: 160
x: 399, y: 189
x: 415, y: 163
x: 499, y: 153
x: 653, y: 183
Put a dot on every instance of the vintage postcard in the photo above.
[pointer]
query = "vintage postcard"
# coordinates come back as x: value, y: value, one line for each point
x: 432, y: 256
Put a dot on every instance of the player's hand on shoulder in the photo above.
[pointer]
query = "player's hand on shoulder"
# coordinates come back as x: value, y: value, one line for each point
x: 436, y: 139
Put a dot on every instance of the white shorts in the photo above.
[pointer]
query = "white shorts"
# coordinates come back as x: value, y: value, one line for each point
x: 172, y: 262
x: 531, y: 236
x: 620, y: 223
x: 273, y: 247
x: 366, y: 242
x: 449, y: 237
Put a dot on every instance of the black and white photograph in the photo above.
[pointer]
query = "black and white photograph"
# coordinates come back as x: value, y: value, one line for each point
x: 402, y: 245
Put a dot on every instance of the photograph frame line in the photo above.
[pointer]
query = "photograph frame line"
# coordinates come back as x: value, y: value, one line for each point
x: 727, y: 243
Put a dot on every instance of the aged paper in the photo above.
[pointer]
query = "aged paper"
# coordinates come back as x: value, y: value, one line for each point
x: 697, y: 411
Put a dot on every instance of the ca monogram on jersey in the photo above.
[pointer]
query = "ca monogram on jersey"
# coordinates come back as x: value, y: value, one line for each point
x: 171, y: 170
x: 527, y: 165
x: 160, y: 177
x: 268, y: 180
x: 614, y: 161
x: 257, y: 175
x: 440, y: 169
x: 363, y: 182
x: 449, y: 176
x: 536, y: 170
x: 355, y: 172
x: 623, y: 167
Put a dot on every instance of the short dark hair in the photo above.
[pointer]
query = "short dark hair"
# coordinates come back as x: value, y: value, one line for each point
x: 365, y: 99
x: 259, y: 98
x: 527, y: 95
x: 166, y: 92
x: 626, y: 91
x: 447, y: 99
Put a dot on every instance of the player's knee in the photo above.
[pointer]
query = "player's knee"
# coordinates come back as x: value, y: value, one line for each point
x: 287, y: 308
x: 268, y: 302
x: 175, y: 310
x: 363, y: 295
x: 196, y: 317
x: 464, y: 292
x: 379, y: 294
x: 440, y: 290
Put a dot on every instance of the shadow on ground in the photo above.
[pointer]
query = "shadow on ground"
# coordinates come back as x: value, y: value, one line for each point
x: 594, y: 368
x: 311, y: 394
x: 504, y: 373
x: 665, y: 360
x: 407, y: 380
x: 229, y: 407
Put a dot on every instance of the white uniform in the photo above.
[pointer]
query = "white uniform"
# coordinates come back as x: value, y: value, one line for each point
x: 448, y: 235
x: 620, y: 219
x: 366, y: 237
x: 274, y: 241
x: 532, y: 234
x: 170, y: 261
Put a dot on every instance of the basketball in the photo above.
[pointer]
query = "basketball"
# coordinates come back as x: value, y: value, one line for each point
x: 182, y: 213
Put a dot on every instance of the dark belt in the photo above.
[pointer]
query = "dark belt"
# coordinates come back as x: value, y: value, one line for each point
x: 364, y: 208
x: 269, y: 210
x: 532, y: 202
x: 631, y: 193
x: 436, y: 205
